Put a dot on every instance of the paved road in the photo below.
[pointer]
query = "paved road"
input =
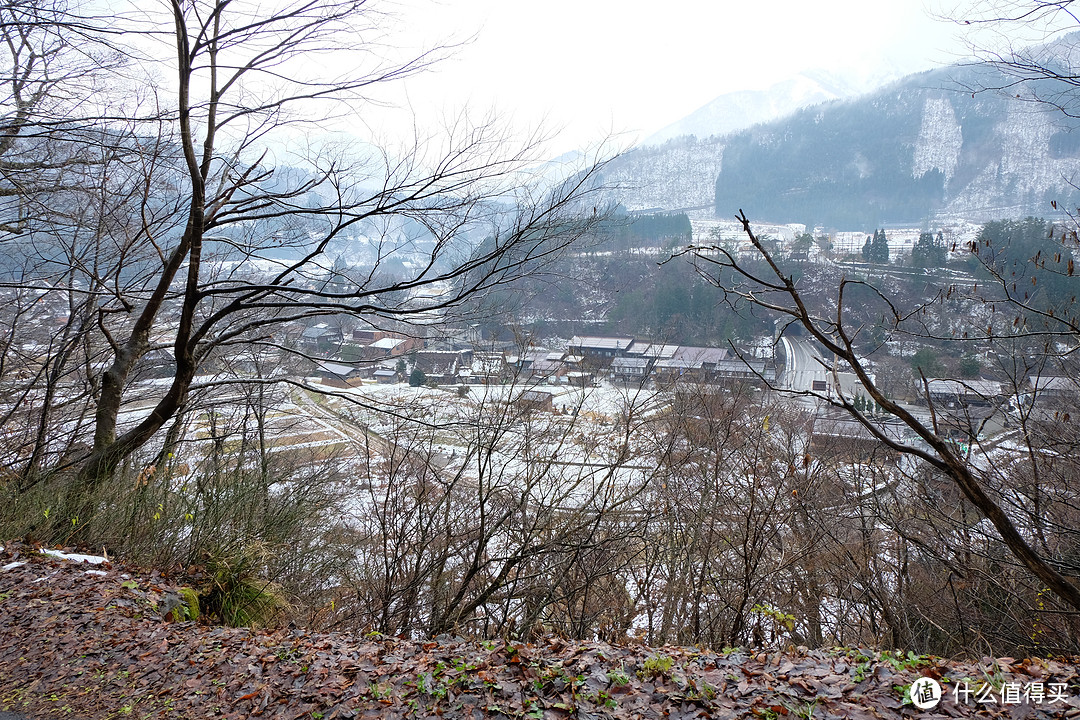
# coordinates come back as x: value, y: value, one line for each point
x: 802, y: 365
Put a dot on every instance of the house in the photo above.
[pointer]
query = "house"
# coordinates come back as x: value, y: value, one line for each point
x: 599, y: 351
x: 652, y: 351
x: 157, y: 363
x: 542, y: 364
x: 630, y: 369
x: 836, y: 435
x: 385, y: 376
x: 321, y: 337
x: 579, y: 378
x: 366, y: 336
x: 963, y: 393
x: 966, y: 410
x: 689, y: 363
x: 1053, y: 386
x: 339, y: 374
x: 536, y: 400
x: 711, y: 365
x: 441, y: 366
x: 736, y: 369
x: 393, y: 345
x: 486, y: 368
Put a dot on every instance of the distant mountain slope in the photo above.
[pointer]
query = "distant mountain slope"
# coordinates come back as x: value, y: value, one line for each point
x: 914, y: 150
x: 677, y: 175
x: 734, y: 111
x: 676, y: 167
x: 918, y: 148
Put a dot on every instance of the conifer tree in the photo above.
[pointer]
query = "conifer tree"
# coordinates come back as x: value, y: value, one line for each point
x: 879, y: 248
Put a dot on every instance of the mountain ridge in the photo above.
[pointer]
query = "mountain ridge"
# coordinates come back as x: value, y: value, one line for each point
x: 734, y: 111
x: 919, y: 148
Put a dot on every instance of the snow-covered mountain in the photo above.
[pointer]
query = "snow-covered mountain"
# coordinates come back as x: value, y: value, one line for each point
x: 921, y: 147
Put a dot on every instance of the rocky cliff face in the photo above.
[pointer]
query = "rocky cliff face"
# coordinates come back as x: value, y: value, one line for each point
x: 920, y: 148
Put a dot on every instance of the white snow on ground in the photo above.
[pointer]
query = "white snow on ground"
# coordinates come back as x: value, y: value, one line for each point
x: 71, y: 557
x: 76, y: 557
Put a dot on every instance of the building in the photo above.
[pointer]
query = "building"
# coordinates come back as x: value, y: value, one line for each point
x: 963, y: 393
x: 321, y: 337
x: 441, y: 367
x: 630, y: 369
x: 536, y: 400
x: 340, y: 374
x: 711, y: 365
x: 599, y: 351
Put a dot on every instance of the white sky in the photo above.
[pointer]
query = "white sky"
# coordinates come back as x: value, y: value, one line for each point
x: 591, y: 67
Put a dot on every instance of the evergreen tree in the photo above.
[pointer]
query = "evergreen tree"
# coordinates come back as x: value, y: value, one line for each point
x: 929, y: 251
x: 867, y: 248
x: 879, y: 248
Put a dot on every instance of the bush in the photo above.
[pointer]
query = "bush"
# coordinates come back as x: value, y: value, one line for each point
x: 256, y: 534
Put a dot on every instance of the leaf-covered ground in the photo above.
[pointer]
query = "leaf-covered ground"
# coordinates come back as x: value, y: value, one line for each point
x: 82, y: 641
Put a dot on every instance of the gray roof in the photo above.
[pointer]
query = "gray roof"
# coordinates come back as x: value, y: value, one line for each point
x: 319, y: 331
x: 339, y: 369
x: 536, y: 396
x: 601, y: 343
x: 983, y: 388
x: 700, y: 355
x: 1052, y: 383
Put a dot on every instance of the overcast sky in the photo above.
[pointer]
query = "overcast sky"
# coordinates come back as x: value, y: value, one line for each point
x: 590, y: 67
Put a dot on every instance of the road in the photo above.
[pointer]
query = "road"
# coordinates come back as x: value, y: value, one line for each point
x: 802, y: 365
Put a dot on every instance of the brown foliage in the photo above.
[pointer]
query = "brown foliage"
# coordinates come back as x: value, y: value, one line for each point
x: 95, y: 645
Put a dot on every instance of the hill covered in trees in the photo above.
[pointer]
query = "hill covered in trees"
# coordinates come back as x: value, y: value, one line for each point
x: 922, y: 147
x: 937, y: 143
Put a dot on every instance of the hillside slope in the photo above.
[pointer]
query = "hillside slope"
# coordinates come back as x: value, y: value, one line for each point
x: 90, y: 642
x: 920, y: 148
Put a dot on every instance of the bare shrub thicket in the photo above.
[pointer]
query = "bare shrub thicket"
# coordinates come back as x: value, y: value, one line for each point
x: 507, y: 520
x: 970, y: 534
x: 705, y: 515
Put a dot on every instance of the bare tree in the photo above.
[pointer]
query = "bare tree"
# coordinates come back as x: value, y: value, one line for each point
x: 206, y: 232
x: 769, y: 286
x: 1028, y: 43
x: 499, y: 519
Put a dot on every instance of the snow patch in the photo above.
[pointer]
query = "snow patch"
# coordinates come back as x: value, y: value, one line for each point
x: 940, y: 140
x: 76, y: 557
